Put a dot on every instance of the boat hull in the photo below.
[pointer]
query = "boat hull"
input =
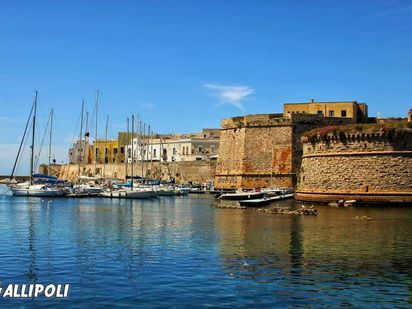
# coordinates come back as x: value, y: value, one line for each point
x: 264, y: 201
x: 36, y: 192
x: 241, y: 196
x: 129, y: 194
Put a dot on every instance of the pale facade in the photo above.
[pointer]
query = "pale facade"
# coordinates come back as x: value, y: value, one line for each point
x: 345, y: 109
x: 175, y: 148
x: 80, y: 152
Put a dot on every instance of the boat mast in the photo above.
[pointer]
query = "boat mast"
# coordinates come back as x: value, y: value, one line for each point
x: 86, y: 134
x: 22, y: 141
x: 80, y: 138
x: 50, y: 141
x: 95, y: 133
x: 143, y: 150
x: 106, y: 152
x: 132, y: 155
x: 151, y: 154
x: 148, y: 148
x: 126, y: 150
x: 32, y: 139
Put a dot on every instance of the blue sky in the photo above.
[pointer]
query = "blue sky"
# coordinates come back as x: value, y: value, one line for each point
x: 185, y: 65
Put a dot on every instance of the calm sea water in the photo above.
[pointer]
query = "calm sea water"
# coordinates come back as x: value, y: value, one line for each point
x: 179, y: 252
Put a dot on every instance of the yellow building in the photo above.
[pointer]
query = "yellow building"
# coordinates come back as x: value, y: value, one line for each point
x: 123, y: 139
x: 105, y: 151
x: 345, y: 109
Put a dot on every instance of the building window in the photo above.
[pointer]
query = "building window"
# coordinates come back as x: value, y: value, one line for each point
x: 154, y: 152
x: 115, y: 151
x: 212, y: 149
x: 97, y: 151
x: 106, y: 150
x: 331, y: 113
x: 122, y: 150
x: 343, y: 113
x: 174, y: 150
x: 200, y: 149
x: 320, y: 113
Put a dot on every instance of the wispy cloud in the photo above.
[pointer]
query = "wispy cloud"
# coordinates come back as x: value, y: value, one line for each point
x: 148, y: 105
x: 233, y: 95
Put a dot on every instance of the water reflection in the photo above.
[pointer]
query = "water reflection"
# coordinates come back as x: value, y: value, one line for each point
x: 180, y: 251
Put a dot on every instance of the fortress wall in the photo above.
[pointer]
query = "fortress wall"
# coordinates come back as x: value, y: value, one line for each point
x: 264, y: 150
x: 366, y: 167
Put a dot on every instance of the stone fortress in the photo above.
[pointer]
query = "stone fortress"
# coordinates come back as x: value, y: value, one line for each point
x: 370, y: 163
x: 274, y: 150
x: 266, y: 150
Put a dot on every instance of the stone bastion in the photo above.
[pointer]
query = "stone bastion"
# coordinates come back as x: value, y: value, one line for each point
x: 367, y: 163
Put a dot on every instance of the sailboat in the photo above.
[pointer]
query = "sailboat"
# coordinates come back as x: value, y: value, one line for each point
x: 88, y: 186
x: 30, y: 188
x: 132, y: 192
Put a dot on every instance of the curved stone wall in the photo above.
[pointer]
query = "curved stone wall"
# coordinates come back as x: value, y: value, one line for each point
x: 374, y: 167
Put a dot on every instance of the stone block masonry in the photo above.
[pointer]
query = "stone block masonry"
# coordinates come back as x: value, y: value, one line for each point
x: 368, y: 167
x: 263, y: 150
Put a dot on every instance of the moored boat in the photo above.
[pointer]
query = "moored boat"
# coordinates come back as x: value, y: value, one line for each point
x: 129, y: 193
x: 266, y: 200
x: 36, y: 190
x: 241, y: 195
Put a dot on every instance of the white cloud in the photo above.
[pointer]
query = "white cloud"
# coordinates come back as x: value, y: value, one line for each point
x: 148, y: 105
x: 233, y: 95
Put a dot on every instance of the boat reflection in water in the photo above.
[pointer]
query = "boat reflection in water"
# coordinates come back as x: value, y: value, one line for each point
x: 177, y: 251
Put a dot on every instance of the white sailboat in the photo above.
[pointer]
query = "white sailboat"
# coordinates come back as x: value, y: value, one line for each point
x: 139, y: 192
x: 88, y: 186
x: 29, y: 188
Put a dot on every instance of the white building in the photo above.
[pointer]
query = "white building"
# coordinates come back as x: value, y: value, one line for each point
x: 176, y: 148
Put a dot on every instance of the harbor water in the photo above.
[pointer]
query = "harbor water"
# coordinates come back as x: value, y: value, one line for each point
x: 180, y: 252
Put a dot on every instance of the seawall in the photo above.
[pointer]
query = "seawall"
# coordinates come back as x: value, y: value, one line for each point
x: 196, y: 171
x: 368, y: 166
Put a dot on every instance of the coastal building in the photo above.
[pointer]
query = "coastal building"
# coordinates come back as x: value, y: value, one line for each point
x: 80, y: 151
x: 341, y: 109
x: 105, y: 151
x: 201, y: 146
x: 123, y: 139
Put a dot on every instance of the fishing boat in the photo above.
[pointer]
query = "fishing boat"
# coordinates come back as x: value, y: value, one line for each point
x: 266, y: 200
x: 242, y: 195
x: 30, y: 188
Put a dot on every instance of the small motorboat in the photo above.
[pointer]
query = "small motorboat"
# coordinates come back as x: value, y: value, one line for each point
x: 266, y: 200
x: 241, y: 195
